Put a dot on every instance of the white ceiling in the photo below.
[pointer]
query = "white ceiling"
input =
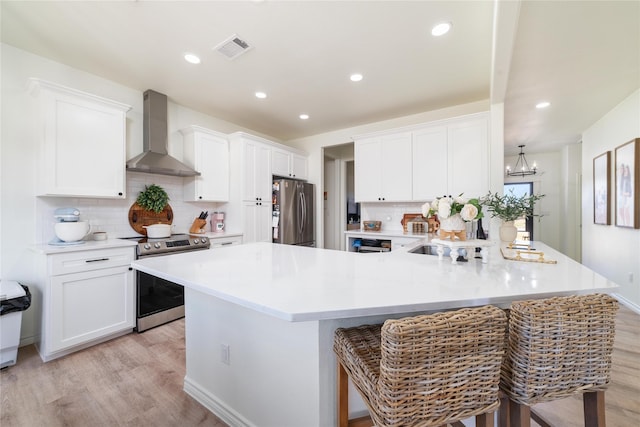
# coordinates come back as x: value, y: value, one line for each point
x: 583, y: 57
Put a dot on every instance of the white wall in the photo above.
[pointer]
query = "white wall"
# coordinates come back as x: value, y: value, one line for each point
x: 611, y: 251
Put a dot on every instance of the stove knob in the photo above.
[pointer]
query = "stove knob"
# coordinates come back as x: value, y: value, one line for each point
x: 196, y: 241
x: 146, y: 246
x: 156, y: 245
x: 203, y: 240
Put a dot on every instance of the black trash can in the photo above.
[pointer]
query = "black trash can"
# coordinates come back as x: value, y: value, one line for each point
x: 14, y: 299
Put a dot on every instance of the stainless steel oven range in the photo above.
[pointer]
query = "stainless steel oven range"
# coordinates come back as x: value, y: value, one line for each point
x: 159, y: 301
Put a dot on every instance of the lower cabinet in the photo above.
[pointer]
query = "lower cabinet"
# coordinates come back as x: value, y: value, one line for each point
x: 87, y: 297
x: 257, y: 222
x: 221, y: 242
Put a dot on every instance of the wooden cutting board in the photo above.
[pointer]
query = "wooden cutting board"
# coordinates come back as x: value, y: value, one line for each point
x: 139, y: 217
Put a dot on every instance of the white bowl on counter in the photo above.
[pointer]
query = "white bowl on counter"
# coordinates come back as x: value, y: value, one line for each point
x: 72, y: 231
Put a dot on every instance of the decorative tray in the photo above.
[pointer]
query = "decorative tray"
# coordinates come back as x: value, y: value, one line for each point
x: 525, y: 255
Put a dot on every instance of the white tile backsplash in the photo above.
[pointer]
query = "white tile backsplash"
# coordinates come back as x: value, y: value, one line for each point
x: 112, y: 215
x: 389, y: 213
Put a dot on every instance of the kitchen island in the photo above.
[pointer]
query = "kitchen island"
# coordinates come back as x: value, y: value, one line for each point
x: 260, y: 317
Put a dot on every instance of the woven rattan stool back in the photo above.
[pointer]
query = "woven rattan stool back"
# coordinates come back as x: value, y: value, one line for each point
x: 426, y: 370
x: 558, y: 347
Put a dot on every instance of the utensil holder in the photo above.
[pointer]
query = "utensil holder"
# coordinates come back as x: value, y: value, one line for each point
x: 198, y: 226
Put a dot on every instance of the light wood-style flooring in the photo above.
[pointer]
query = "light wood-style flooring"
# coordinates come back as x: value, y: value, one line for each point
x: 137, y: 380
x: 134, y: 380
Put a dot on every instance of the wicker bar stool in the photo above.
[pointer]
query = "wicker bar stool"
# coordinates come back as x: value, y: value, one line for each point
x: 557, y: 347
x: 426, y: 370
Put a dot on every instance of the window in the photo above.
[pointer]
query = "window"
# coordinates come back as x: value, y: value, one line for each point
x: 524, y: 224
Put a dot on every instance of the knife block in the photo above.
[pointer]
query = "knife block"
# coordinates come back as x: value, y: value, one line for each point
x: 198, y: 226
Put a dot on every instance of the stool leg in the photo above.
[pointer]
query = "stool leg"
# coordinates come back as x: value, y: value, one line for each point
x: 519, y: 415
x: 593, y: 403
x: 503, y: 412
x: 343, y: 396
x: 484, y: 420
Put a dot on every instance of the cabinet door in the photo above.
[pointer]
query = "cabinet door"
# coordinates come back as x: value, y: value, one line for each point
x: 90, y: 305
x: 367, y: 166
x: 257, y: 222
x: 211, y: 159
x: 257, y: 172
x: 395, y: 167
x: 299, y: 166
x: 468, y: 158
x: 84, y: 147
x: 280, y: 163
x: 430, y: 168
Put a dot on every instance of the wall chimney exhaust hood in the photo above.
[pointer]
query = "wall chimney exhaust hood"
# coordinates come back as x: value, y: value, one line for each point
x: 154, y: 157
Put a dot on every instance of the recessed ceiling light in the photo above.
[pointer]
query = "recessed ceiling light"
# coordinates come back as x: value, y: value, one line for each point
x: 441, y: 29
x: 261, y: 95
x: 356, y: 77
x: 303, y: 116
x: 543, y: 104
x: 191, y: 58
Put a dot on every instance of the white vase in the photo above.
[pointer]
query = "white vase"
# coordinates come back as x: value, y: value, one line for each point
x: 508, y: 232
x: 452, y: 227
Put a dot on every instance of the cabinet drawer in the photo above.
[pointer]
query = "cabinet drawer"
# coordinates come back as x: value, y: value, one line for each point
x: 225, y: 241
x: 76, y: 262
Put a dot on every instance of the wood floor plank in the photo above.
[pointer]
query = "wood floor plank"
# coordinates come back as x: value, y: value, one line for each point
x: 137, y: 380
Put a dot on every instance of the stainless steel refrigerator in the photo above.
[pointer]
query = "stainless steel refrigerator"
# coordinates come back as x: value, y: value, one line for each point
x: 293, y: 212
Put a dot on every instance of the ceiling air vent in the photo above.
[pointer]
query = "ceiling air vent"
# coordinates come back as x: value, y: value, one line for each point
x: 233, y: 47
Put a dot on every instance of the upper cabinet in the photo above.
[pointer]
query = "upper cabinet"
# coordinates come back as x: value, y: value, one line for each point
x: 83, y: 144
x: 423, y: 162
x: 207, y: 152
x: 288, y: 164
x: 383, y: 168
x: 468, y: 152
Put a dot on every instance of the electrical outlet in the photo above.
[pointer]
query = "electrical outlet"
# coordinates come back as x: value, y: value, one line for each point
x: 225, y: 355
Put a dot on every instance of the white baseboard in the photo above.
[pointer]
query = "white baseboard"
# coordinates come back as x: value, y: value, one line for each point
x: 213, y: 404
x: 629, y: 304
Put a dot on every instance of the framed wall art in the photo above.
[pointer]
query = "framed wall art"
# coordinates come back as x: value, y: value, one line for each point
x: 601, y: 189
x: 627, y: 209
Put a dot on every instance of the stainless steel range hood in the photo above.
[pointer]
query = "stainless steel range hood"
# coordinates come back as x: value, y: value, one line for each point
x: 154, y: 157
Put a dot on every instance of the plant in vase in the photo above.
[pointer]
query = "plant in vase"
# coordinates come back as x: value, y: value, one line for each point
x: 510, y: 207
x: 453, y: 212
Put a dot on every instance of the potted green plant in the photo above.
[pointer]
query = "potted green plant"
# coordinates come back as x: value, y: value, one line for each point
x: 153, y: 198
x: 509, y: 207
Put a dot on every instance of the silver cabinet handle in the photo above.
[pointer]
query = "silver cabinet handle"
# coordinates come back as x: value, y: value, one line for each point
x: 97, y: 260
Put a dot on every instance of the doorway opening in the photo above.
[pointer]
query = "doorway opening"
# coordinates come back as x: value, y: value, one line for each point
x: 525, y: 223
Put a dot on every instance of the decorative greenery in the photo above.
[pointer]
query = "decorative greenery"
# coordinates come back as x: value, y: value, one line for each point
x: 153, y: 198
x: 446, y: 206
x: 510, y: 207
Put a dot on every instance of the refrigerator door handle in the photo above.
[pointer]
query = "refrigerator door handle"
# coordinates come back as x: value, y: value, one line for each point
x: 300, y: 213
x: 304, y: 213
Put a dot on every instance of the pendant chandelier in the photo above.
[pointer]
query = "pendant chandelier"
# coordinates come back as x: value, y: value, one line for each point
x: 522, y: 167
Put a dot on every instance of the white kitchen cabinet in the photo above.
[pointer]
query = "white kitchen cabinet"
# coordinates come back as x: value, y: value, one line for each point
x: 257, y: 172
x: 383, y: 168
x: 257, y: 222
x: 221, y: 242
x: 87, y: 297
x: 207, y: 152
x: 251, y: 184
x: 468, y: 156
x: 83, y: 145
x: 430, y: 163
x: 288, y: 164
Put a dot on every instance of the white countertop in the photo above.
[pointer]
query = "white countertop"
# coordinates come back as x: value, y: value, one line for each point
x: 299, y: 284
x: 88, y: 245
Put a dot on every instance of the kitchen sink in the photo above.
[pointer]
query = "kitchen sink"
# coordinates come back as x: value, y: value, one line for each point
x: 433, y: 250
x: 427, y: 250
